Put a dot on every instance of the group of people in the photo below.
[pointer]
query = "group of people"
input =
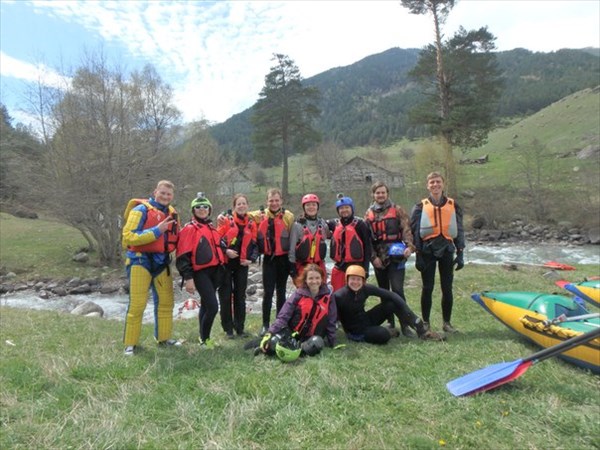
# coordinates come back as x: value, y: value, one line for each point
x: 213, y: 258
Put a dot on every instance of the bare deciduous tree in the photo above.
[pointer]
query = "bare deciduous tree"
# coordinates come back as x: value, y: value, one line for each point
x: 106, y: 137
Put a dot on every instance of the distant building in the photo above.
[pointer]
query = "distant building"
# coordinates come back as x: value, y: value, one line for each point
x: 234, y: 181
x: 359, y: 173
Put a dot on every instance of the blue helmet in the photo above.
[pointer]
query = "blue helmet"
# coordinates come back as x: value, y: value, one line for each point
x: 344, y: 201
x: 397, y: 249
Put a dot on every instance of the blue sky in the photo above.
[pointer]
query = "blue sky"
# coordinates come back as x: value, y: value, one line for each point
x: 216, y: 54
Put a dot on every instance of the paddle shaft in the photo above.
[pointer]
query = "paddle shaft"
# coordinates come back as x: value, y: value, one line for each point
x: 563, y: 346
x: 562, y: 318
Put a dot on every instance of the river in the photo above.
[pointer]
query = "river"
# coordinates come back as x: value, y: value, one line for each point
x: 115, y: 305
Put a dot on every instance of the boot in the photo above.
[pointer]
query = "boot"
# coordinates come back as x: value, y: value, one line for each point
x: 424, y: 332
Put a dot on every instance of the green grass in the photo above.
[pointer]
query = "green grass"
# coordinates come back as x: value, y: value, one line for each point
x: 65, y: 384
x: 36, y: 248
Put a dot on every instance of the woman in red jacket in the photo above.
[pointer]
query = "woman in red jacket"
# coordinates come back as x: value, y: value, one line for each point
x: 238, y: 240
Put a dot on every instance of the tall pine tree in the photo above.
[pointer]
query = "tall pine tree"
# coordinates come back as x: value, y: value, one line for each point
x: 283, y: 117
x: 462, y: 83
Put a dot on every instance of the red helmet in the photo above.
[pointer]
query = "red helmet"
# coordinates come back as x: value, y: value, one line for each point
x: 310, y: 198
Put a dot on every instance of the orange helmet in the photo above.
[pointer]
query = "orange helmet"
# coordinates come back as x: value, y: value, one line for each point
x: 357, y: 270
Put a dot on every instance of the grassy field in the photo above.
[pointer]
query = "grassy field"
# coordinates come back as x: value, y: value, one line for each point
x: 66, y: 384
x: 43, y: 248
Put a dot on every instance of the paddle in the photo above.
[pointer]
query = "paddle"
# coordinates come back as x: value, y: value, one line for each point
x: 564, y: 318
x: 497, y: 374
x: 548, y: 265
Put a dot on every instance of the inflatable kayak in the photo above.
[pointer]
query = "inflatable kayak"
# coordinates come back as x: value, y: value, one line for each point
x: 547, y: 320
x: 587, y: 290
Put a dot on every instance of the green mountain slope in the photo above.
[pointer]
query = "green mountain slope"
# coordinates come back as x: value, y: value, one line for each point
x: 536, y: 169
x: 367, y: 102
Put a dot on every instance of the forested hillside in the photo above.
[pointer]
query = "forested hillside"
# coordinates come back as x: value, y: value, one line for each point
x: 368, y: 102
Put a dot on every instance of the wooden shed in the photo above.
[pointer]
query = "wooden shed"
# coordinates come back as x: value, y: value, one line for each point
x: 359, y: 173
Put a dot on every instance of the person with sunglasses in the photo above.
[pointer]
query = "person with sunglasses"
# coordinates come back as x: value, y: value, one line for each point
x: 200, y: 261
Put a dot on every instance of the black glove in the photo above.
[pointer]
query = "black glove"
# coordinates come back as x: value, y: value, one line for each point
x: 459, y: 261
x: 420, y: 263
x: 293, y: 272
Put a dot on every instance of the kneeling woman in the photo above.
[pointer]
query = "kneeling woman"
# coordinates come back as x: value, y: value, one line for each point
x: 365, y: 326
x: 309, y: 311
x: 200, y: 262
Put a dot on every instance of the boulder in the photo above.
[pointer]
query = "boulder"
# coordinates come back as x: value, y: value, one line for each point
x: 594, y: 236
x: 83, y: 289
x: 59, y: 290
x: 251, y: 290
x: 478, y: 222
x: 81, y: 257
x: 108, y: 289
x: 87, y: 308
x: 590, y: 151
x: 5, y: 288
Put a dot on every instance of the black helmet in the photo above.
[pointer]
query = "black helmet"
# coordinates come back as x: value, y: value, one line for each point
x: 313, y: 345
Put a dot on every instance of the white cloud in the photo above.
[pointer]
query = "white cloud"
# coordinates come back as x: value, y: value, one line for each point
x: 216, y: 54
x: 36, y: 73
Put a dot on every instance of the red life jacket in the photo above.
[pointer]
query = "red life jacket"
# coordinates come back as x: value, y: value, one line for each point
x: 346, y: 245
x: 312, y: 247
x: 167, y: 242
x: 203, y: 241
x: 274, y: 235
x: 310, y: 316
x: 244, y: 244
x: 385, y: 227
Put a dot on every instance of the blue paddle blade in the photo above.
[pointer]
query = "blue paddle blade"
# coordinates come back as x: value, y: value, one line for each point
x: 478, y: 380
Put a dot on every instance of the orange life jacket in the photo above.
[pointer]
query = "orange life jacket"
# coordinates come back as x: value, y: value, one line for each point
x: 167, y: 242
x: 243, y: 245
x: 312, y: 247
x: 386, y: 227
x: 310, y: 316
x: 203, y: 241
x: 437, y: 220
x: 273, y: 236
x: 346, y: 245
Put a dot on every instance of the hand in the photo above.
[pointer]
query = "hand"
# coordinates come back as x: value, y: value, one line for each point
x: 189, y: 286
x: 459, y: 261
x: 231, y: 254
x: 293, y: 272
x: 377, y: 263
x: 264, y: 343
x: 245, y: 262
x: 165, y: 224
x: 420, y: 263
x: 221, y: 220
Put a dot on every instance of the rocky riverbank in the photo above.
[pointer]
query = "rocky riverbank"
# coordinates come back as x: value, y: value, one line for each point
x: 520, y: 232
x: 49, y: 290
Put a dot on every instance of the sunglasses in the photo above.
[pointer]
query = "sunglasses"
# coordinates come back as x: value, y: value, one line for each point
x: 201, y: 207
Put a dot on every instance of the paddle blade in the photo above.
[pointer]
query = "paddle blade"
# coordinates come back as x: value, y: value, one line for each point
x: 487, y: 378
